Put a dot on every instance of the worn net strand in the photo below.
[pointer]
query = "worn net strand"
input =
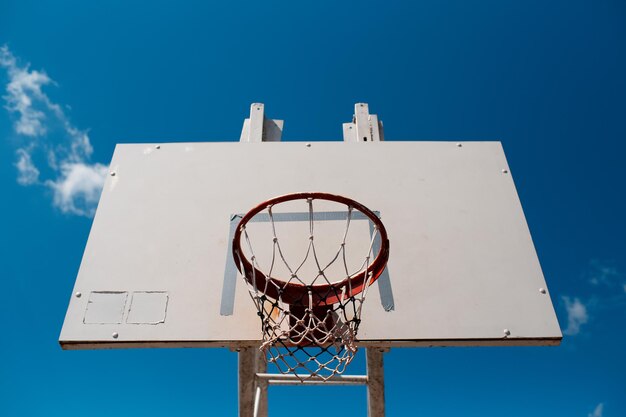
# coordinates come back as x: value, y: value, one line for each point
x: 307, y: 338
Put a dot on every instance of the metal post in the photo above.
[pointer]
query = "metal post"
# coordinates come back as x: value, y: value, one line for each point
x: 258, y: 128
x: 287, y: 379
x: 252, y: 391
x: 246, y: 382
x: 260, y: 400
x: 257, y: 115
x: 365, y: 127
x: 375, y: 383
x: 362, y: 115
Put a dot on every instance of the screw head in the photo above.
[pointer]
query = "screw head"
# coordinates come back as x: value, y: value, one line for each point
x: 459, y: 145
x: 505, y: 171
x: 507, y: 332
x: 308, y: 145
x: 112, y: 173
x: 114, y: 335
x: 542, y: 290
x: 158, y: 147
x: 78, y: 294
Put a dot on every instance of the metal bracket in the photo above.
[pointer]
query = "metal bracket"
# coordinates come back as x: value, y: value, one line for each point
x: 253, y: 379
x: 364, y: 127
x: 259, y: 129
x: 254, y: 382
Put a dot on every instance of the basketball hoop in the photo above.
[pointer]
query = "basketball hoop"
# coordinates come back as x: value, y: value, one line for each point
x: 310, y: 323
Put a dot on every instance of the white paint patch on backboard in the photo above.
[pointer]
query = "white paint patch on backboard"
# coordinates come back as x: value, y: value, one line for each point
x: 105, y: 307
x: 148, y: 307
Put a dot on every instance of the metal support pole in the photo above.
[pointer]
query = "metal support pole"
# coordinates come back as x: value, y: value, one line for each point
x: 252, y: 391
x: 257, y: 115
x: 258, y: 128
x: 246, y: 382
x: 260, y: 400
x: 365, y: 127
x: 375, y: 383
x: 286, y: 379
x: 362, y: 123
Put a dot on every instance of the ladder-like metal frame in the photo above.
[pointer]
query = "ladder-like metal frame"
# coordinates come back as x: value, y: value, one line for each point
x: 254, y: 380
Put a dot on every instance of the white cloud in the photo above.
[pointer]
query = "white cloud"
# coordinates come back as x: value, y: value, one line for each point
x: 597, y: 412
x: 576, y: 315
x: 77, y: 186
x: 27, y: 171
x: 603, y: 273
x: 606, y: 294
x: 23, y: 94
x: 75, y: 182
x: 77, y: 189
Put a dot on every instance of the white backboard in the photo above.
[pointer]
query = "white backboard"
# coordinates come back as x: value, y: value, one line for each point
x: 157, y: 270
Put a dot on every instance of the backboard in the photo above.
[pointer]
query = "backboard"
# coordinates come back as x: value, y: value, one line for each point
x: 158, y: 270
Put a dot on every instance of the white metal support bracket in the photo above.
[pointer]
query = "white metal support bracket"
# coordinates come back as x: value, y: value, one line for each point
x: 364, y: 127
x: 375, y: 382
x: 252, y: 395
x: 254, y: 383
x: 260, y: 129
x: 253, y: 379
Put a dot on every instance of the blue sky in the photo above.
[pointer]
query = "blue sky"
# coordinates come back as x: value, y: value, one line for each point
x: 545, y: 78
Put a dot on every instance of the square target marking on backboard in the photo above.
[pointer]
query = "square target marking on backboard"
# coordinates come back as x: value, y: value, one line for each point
x: 359, y: 235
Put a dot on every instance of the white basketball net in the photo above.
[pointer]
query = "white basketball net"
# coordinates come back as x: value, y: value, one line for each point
x: 308, y: 338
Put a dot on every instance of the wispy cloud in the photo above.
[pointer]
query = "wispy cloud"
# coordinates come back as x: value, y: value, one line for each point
x: 597, y: 412
x: 576, y: 315
x: 52, y: 147
x: 604, y: 273
x: 605, y: 288
x: 77, y: 189
x: 27, y: 171
x: 23, y: 91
